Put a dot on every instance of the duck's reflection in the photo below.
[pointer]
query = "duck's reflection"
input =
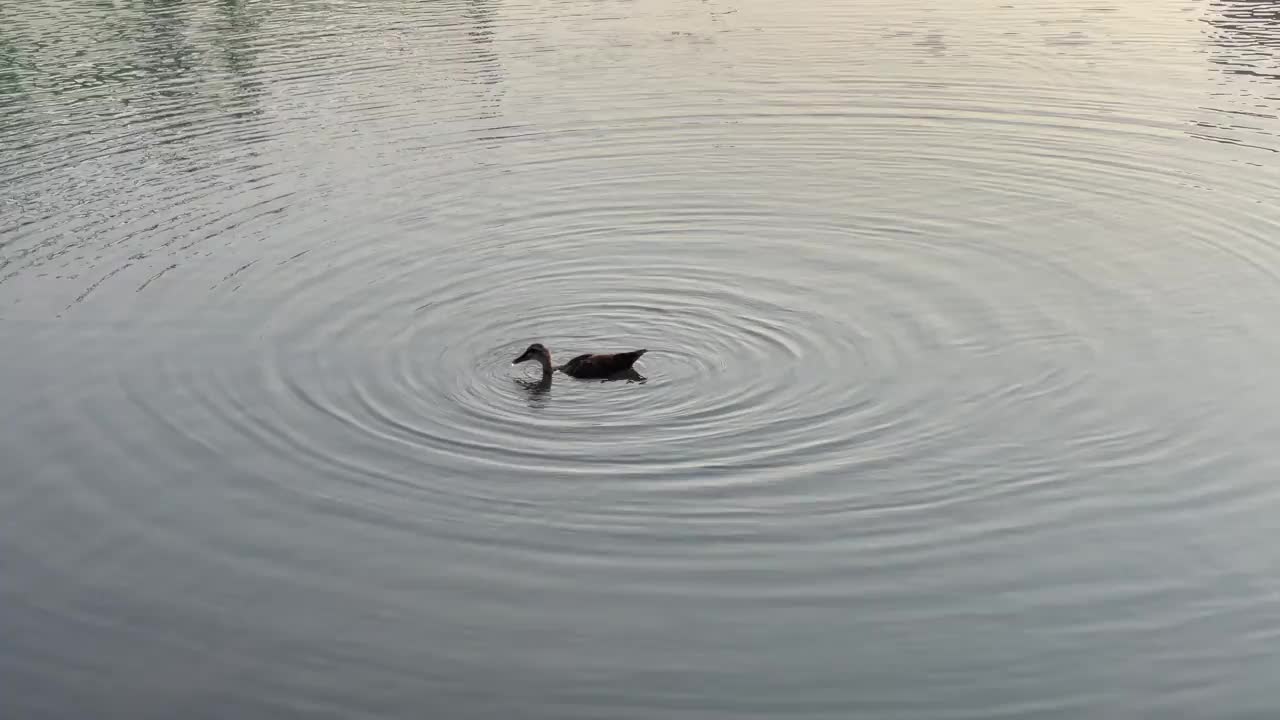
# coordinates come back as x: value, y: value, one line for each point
x: 630, y: 375
x: 537, y: 392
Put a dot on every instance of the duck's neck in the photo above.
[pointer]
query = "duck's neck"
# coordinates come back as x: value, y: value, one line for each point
x: 547, y: 370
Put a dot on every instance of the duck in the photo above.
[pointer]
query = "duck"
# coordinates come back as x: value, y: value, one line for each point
x: 591, y: 365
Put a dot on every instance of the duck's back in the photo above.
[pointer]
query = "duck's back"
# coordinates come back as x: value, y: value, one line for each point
x: 596, y: 365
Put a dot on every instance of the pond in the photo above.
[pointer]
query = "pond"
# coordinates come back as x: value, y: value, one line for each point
x: 960, y: 398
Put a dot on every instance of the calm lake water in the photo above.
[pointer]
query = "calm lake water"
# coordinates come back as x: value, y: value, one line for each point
x: 961, y: 393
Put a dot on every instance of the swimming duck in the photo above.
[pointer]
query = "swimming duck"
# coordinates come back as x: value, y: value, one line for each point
x: 582, y: 366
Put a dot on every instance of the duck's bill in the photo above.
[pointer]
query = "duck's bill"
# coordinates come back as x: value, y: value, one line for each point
x: 520, y: 359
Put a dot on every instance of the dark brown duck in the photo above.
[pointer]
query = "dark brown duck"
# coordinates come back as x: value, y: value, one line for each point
x: 591, y: 365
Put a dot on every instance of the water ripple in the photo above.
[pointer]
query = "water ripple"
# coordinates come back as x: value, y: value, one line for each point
x: 959, y: 336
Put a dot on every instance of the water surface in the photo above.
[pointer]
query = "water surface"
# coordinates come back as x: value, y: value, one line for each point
x: 961, y: 391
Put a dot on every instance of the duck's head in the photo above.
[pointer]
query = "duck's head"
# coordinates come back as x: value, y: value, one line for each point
x: 534, y: 352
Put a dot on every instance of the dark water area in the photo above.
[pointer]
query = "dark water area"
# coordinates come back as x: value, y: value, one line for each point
x: 961, y: 393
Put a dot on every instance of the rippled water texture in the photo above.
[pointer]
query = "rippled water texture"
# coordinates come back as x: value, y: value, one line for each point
x: 960, y: 401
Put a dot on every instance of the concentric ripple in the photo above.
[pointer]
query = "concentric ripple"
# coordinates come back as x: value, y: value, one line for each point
x: 958, y: 401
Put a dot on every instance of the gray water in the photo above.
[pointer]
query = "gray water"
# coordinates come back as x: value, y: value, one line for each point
x: 961, y: 394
